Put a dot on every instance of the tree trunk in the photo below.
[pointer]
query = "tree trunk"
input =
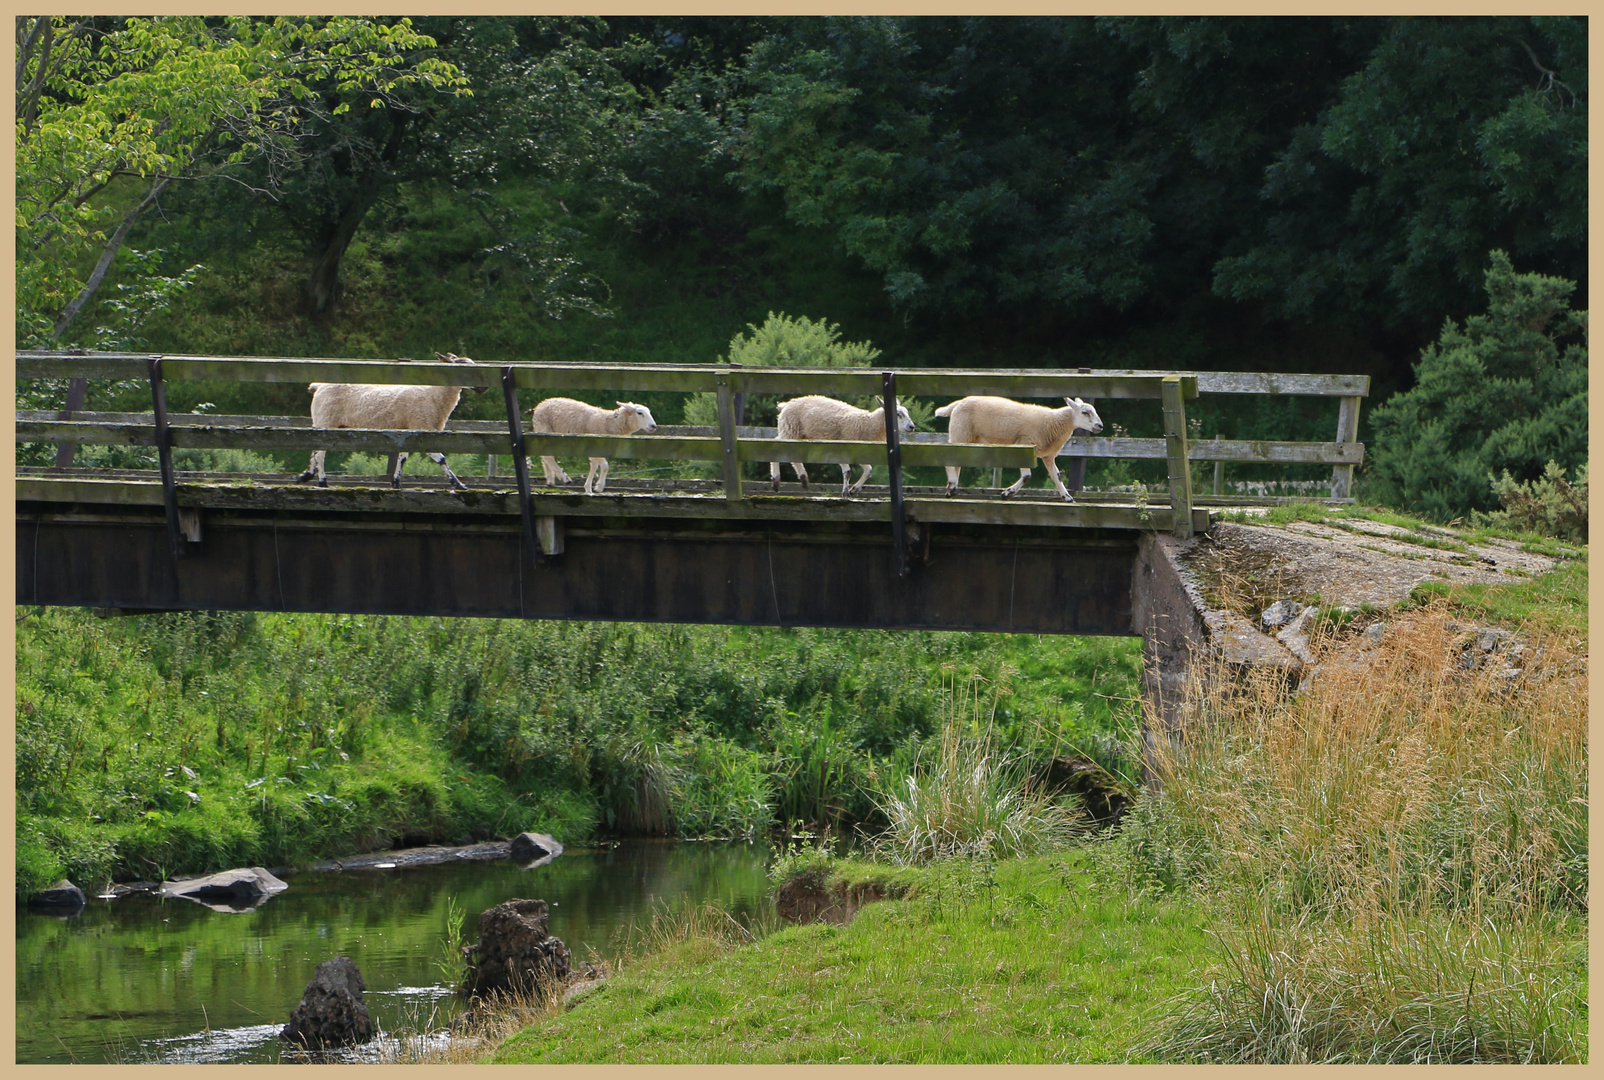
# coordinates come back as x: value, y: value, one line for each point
x: 70, y: 312
x: 322, y: 287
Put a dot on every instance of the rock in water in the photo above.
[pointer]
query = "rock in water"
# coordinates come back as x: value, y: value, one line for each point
x: 515, y: 955
x: 249, y: 883
x: 332, y: 1012
x: 62, y: 896
x: 533, y: 845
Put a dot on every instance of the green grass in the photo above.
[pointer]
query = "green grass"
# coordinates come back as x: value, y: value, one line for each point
x: 1018, y: 961
x: 1557, y: 600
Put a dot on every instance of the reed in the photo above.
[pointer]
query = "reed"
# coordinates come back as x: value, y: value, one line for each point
x: 971, y: 796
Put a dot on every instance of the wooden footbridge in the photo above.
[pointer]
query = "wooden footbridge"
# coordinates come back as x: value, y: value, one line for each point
x: 712, y: 551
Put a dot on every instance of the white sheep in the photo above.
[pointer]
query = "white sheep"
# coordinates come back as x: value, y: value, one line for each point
x: 999, y: 421
x: 565, y: 416
x: 816, y: 418
x: 385, y: 407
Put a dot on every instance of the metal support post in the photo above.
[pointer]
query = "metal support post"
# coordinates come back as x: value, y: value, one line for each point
x: 164, y: 454
x: 76, y: 391
x: 1074, y: 470
x: 520, y: 464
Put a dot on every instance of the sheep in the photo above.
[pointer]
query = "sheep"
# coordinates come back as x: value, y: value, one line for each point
x: 1003, y: 422
x: 821, y: 418
x: 385, y: 407
x: 565, y: 416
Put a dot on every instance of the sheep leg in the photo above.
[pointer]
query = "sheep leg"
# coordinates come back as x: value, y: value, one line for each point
x: 801, y: 472
x: 554, y: 472
x: 952, y: 479
x: 774, y: 474
x: 867, y: 469
x: 314, y: 468
x: 1052, y: 471
x: 440, y: 460
x: 1009, y: 492
x: 400, y: 463
x: 598, y: 475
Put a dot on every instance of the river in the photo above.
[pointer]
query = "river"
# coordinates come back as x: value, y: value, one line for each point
x: 140, y: 979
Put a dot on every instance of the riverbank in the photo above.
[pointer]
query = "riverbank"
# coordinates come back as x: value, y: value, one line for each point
x: 183, y: 743
x: 1388, y: 866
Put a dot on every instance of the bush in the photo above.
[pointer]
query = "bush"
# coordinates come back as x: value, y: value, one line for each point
x: 1499, y: 393
x: 1552, y: 506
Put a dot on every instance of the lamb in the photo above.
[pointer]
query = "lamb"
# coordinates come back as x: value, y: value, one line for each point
x: 565, y: 416
x: 1000, y: 421
x: 821, y: 418
x: 385, y: 407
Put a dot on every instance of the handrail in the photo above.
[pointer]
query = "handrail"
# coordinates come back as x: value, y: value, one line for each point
x: 730, y: 443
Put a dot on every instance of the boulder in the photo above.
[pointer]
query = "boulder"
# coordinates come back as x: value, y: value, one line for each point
x: 332, y: 1012
x: 231, y: 890
x: 515, y: 955
x: 530, y: 846
x: 62, y: 896
x: 1280, y: 613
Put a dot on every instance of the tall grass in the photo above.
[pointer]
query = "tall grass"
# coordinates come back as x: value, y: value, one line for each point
x: 970, y: 797
x: 1395, y: 859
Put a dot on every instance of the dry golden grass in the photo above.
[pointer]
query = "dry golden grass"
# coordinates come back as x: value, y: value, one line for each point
x: 1397, y: 856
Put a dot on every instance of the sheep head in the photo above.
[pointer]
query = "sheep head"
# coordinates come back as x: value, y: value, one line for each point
x: 1086, y: 418
x: 904, y: 421
x: 638, y: 415
x: 453, y: 358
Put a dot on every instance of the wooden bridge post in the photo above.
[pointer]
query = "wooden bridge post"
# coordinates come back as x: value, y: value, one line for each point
x: 1176, y: 451
x: 164, y: 454
x: 899, y: 543
x: 520, y: 464
x: 1075, y: 469
x: 726, y: 434
x: 1347, y: 432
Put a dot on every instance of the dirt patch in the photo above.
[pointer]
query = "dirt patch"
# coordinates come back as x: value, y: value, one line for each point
x: 810, y: 898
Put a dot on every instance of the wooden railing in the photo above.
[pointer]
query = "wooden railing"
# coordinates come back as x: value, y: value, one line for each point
x: 730, y: 444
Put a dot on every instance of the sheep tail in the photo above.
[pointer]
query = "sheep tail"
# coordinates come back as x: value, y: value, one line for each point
x: 945, y: 410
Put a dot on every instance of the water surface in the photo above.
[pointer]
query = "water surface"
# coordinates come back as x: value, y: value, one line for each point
x: 141, y: 979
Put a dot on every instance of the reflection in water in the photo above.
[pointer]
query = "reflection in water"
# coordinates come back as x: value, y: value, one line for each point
x: 139, y: 979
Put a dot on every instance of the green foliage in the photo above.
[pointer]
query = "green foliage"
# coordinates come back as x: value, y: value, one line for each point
x: 1550, y: 506
x: 194, y: 741
x: 1504, y: 391
x: 174, y: 97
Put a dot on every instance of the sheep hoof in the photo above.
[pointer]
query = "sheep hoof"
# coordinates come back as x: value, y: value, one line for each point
x: 324, y: 482
x: 951, y: 491
x: 304, y: 477
x: 1009, y: 493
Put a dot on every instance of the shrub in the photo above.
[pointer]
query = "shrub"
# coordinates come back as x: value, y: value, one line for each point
x: 1505, y: 391
x: 1552, y: 506
x: 970, y: 797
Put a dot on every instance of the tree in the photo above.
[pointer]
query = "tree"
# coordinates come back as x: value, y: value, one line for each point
x: 1506, y: 392
x: 1455, y: 136
x: 111, y: 112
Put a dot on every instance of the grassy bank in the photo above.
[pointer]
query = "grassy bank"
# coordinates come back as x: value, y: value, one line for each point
x: 1023, y: 960
x: 1390, y: 866
x: 171, y: 743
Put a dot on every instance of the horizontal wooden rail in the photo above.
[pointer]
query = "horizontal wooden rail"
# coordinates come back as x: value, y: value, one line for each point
x: 190, y: 435
x: 1251, y: 450
x: 623, y: 378
x: 674, y: 442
